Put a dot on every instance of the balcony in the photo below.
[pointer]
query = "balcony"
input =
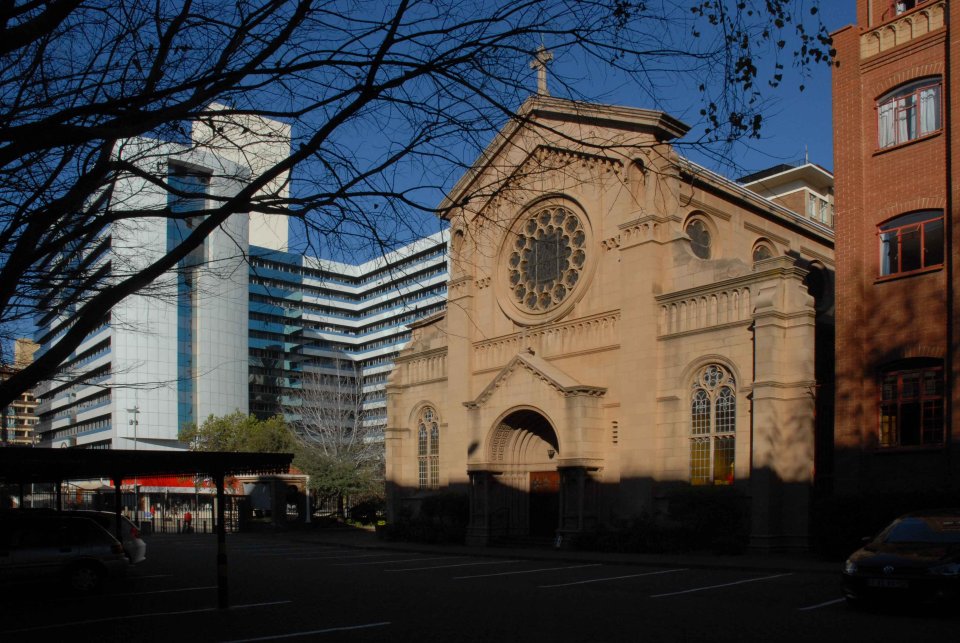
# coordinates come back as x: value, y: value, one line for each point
x: 909, y: 23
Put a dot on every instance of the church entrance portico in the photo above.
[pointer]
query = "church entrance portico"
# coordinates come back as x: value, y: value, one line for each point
x: 516, y: 491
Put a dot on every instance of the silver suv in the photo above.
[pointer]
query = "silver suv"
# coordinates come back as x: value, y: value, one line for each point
x: 38, y: 544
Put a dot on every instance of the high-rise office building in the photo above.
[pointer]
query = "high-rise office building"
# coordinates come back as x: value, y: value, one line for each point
x: 241, y: 323
x: 313, y: 319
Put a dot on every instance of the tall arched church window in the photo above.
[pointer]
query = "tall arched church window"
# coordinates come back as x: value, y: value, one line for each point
x: 713, y: 424
x: 428, y: 448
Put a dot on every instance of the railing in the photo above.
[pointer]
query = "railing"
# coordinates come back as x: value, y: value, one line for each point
x: 161, y: 519
x: 899, y: 27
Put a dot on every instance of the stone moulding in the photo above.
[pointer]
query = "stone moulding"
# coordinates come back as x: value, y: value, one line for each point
x: 547, y: 157
x: 818, y: 256
x: 718, y: 304
x: 697, y: 312
x: 581, y: 335
x: 783, y: 241
x: 550, y: 375
x: 421, y: 367
x: 908, y: 26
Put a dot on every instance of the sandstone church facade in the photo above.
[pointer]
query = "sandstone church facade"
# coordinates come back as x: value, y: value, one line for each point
x: 620, y: 323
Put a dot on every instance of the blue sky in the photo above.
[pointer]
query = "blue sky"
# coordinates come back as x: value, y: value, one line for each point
x: 796, y: 123
x: 802, y: 118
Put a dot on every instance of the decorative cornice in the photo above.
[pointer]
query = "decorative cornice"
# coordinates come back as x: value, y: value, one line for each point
x: 697, y: 204
x: 783, y: 241
x: 809, y: 252
x: 906, y: 27
x: 591, y: 333
x: 705, y: 329
x: 553, y: 377
x: 433, y: 352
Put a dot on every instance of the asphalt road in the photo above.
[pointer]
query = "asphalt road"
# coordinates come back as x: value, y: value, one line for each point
x: 282, y: 588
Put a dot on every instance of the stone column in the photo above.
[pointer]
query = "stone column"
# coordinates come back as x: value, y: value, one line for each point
x: 782, y: 449
x: 578, y: 503
x: 478, y: 529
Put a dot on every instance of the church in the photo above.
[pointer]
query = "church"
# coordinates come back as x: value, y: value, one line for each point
x: 621, y: 323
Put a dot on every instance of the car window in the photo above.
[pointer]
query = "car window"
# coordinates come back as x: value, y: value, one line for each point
x: 923, y: 530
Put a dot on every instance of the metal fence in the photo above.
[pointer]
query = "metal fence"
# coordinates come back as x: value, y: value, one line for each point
x: 169, y: 516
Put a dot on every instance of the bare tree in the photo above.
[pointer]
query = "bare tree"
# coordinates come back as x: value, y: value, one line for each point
x: 386, y: 101
x: 341, y: 446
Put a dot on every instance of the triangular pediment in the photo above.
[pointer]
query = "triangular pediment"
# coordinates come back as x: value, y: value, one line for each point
x: 550, y: 117
x: 551, y: 376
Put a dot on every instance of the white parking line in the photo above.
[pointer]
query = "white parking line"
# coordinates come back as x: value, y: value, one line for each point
x: 294, y: 552
x: 602, y: 580
x: 819, y: 605
x: 324, y: 631
x: 526, y: 571
x: 163, y: 591
x: 391, y: 562
x: 342, y: 556
x: 703, y: 589
x: 420, y: 569
x: 256, y: 548
x: 129, y: 617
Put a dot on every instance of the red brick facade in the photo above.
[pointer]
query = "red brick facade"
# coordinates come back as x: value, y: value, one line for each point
x: 904, y: 320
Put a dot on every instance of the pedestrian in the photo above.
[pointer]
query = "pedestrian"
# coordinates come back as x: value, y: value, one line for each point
x: 187, y: 519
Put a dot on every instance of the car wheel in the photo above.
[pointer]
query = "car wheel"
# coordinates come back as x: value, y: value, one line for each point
x: 85, y: 578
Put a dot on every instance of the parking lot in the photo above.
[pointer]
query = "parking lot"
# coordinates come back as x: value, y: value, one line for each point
x: 293, y: 587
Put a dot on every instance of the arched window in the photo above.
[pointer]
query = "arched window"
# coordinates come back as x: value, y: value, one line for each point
x: 909, y: 112
x: 911, y: 242
x: 761, y: 251
x: 428, y: 448
x: 700, y: 238
x: 911, y: 404
x: 713, y: 425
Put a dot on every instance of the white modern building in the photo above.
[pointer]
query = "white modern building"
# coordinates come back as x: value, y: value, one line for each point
x: 313, y: 317
x: 172, y: 354
x: 240, y: 321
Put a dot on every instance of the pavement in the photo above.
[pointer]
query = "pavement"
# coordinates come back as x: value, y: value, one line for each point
x: 800, y: 562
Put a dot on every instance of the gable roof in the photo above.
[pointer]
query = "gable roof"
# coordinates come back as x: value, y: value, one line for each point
x: 539, y: 109
x: 549, y: 374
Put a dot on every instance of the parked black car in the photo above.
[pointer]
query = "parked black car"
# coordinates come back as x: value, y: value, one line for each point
x: 914, y: 559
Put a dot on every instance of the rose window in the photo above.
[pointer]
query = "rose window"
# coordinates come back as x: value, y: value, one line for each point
x: 547, y: 259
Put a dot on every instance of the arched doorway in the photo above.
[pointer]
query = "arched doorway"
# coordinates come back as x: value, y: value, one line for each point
x: 523, y: 448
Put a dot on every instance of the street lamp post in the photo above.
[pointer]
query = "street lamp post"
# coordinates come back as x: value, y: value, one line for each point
x: 135, y: 422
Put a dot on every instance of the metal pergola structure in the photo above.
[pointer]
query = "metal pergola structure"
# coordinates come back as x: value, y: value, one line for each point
x: 21, y: 466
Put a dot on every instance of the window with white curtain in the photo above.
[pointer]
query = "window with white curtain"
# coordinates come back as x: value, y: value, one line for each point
x: 908, y: 113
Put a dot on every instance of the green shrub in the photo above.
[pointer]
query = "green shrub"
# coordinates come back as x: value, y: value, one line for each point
x: 697, y: 519
x: 367, y: 512
x: 442, y: 518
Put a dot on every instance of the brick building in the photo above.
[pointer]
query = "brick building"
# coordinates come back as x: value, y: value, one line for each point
x: 896, y: 189
x: 19, y: 418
